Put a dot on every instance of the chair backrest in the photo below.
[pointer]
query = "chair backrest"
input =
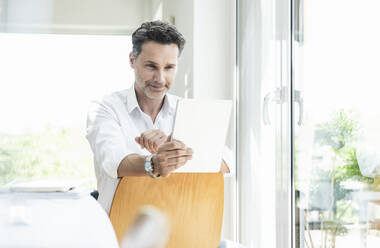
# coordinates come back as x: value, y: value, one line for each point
x: 193, y: 203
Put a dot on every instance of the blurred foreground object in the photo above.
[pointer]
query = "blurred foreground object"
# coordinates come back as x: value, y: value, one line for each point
x: 230, y: 244
x: 150, y: 229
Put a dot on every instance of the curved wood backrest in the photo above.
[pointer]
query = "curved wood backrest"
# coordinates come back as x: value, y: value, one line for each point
x: 193, y: 203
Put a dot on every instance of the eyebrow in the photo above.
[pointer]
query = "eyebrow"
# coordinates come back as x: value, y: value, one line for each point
x: 152, y: 62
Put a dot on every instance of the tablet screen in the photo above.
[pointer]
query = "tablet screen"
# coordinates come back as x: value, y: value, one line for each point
x: 202, y: 125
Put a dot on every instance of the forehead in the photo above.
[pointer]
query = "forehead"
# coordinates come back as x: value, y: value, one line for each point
x: 159, y: 53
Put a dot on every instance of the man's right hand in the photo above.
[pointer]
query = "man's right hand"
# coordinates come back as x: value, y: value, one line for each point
x: 152, y: 140
x: 171, y: 156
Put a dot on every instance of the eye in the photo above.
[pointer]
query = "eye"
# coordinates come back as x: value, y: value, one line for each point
x: 151, y: 66
x: 169, y: 67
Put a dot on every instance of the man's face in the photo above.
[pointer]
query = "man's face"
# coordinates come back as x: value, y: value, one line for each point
x: 155, y: 69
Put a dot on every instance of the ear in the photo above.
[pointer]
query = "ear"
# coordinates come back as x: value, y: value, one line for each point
x: 132, y: 60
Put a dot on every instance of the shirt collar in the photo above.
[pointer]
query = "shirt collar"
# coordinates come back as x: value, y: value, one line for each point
x: 131, y: 99
x: 168, y: 107
x: 170, y: 104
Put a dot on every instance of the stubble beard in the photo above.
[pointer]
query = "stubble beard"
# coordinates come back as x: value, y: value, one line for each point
x: 153, y: 95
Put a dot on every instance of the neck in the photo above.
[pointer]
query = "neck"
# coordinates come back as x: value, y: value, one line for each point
x: 149, y: 106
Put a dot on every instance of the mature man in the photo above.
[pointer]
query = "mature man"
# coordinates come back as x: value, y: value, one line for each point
x: 129, y: 131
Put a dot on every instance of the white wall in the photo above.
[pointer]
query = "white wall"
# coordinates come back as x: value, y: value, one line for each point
x: 207, y: 64
x: 213, y: 49
x: 73, y: 16
x: 103, y: 12
x: 183, y: 13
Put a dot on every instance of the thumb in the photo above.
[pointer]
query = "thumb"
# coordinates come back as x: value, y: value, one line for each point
x: 169, y: 138
x: 138, y: 139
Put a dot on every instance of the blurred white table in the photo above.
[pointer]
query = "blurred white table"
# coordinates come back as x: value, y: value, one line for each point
x: 57, y: 219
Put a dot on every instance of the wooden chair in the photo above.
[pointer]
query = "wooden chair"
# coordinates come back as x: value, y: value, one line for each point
x: 193, y: 203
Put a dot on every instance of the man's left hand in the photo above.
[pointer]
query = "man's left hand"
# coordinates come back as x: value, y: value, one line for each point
x: 224, y: 167
x: 152, y: 140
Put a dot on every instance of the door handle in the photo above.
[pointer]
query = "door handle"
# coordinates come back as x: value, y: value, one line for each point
x: 278, y: 96
x: 266, y: 118
x: 298, y: 99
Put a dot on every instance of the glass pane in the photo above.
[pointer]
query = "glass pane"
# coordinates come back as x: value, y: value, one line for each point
x: 263, y: 117
x: 47, y: 84
x: 337, y: 163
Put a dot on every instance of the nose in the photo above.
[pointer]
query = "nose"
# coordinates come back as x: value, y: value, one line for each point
x: 159, y: 76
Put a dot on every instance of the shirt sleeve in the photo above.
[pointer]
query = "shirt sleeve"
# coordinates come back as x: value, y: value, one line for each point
x: 229, y: 158
x: 106, y: 137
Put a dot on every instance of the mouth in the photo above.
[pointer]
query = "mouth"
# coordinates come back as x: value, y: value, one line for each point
x: 157, y: 87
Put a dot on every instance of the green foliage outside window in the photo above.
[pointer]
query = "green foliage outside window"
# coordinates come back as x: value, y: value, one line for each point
x: 57, y: 153
x: 340, y: 134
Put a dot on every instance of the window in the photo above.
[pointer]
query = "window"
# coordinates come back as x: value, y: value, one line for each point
x: 47, y: 83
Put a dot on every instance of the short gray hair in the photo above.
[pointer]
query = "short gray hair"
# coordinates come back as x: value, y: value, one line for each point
x: 157, y: 31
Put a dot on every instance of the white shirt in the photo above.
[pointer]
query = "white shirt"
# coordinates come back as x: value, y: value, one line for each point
x: 112, y: 126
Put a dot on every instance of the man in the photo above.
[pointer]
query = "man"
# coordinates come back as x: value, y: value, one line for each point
x: 129, y: 131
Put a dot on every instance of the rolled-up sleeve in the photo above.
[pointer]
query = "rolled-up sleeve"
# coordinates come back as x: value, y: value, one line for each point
x: 106, y: 138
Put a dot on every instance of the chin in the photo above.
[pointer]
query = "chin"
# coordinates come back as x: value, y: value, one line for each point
x: 155, y: 95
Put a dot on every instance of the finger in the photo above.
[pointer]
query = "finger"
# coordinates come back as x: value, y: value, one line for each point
x: 150, y: 134
x: 173, y: 162
x: 179, y: 165
x: 144, y: 136
x: 138, y: 141
x: 166, y: 175
x: 147, y: 133
x: 167, y: 170
x: 157, y: 140
x: 169, y: 162
x: 150, y: 142
x: 189, y: 151
x: 160, y: 141
x: 150, y: 137
x: 145, y: 142
x: 178, y: 153
x: 163, y: 138
x: 172, y: 145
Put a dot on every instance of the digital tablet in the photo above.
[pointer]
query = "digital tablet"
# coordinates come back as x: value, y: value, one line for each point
x: 202, y: 125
